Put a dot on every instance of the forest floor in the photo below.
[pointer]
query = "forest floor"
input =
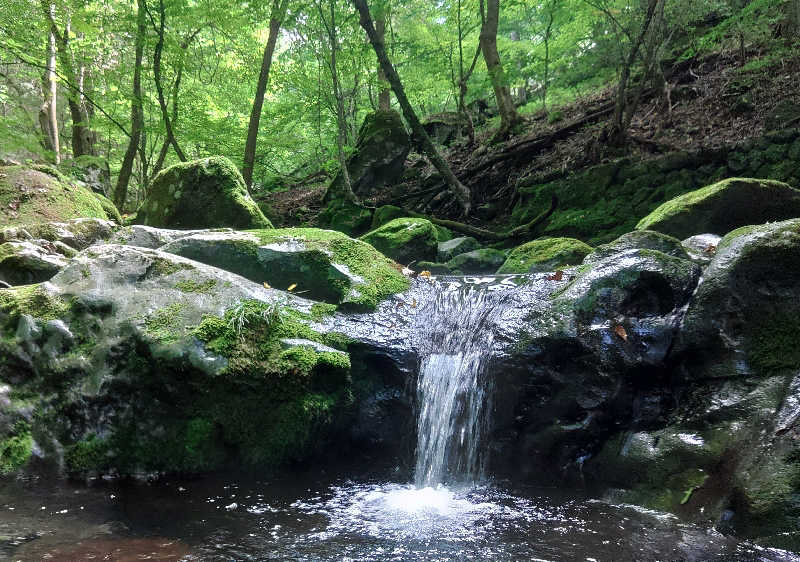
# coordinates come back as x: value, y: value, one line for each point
x: 707, y: 104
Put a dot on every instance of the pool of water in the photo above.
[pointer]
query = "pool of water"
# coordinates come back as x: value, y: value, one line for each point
x: 323, y: 516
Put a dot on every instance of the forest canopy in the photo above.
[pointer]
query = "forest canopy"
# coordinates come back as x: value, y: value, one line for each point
x: 281, y: 87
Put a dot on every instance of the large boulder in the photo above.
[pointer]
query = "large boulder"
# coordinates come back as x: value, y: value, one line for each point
x: 22, y: 263
x: 482, y: 260
x: 378, y: 160
x: 405, y: 240
x: 322, y: 265
x: 548, y: 254
x: 724, y: 206
x: 639, y: 239
x: 42, y: 193
x: 205, y: 193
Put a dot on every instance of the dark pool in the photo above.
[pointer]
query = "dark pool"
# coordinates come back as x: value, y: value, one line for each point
x: 324, y: 516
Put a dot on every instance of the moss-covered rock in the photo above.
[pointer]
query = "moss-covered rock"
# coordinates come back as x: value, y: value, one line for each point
x: 378, y: 160
x: 548, y: 254
x: 40, y: 194
x: 130, y: 364
x: 484, y: 260
x: 451, y: 248
x: 203, y: 193
x: 724, y: 206
x: 405, y: 240
x: 388, y: 213
x: 78, y: 234
x: 639, y: 239
x: 320, y: 264
x: 22, y: 263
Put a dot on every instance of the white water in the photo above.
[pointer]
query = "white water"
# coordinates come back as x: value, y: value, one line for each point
x: 453, y: 389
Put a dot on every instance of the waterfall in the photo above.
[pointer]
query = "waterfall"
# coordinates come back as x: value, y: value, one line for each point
x: 453, y: 392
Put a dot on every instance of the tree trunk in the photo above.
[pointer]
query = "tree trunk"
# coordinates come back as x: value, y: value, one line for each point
x: 159, y: 89
x: 83, y: 137
x: 337, y: 92
x: 461, y: 193
x: 48, y: 115
x: 275, y: 19
x: 137, y: 116
x: 385, y: 92
x: 618, y: 135
x: 509, y: 118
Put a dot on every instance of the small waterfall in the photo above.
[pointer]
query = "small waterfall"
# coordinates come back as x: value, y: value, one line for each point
x: 453, y: 391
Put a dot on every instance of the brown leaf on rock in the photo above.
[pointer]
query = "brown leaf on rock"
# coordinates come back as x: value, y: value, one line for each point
x: 557, y: 276
x: 620, y: 331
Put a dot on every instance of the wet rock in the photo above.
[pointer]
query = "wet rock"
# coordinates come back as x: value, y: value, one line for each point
x: 319, y: 264
x: 78, y: 234
x: 205, y: 193
x: 152, y: 237
x: 451, y: 248
x: 702, y: 248
x: 405, y: 240
x: 724, y: 206
x: 639, y: 239
x: 547, y: 254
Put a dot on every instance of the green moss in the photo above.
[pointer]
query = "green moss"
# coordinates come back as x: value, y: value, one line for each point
x: 190, y: 286
x: 91, y: 454
x: 772, y: 342
x: 549, y: 254
x: 109, y: 207
x: 33, y: 300
x: 203, y: 193
x: 164, y: 325
x: 16, y: 450
x: 29, y: 195
x: 382, y: 276
x: 162, y: 267
x: 320, y: 310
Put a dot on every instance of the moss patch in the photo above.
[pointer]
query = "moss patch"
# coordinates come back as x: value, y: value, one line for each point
x: 164, y: 325
x: 30, y: 195
x: 33, y: 300
x: 190, y: 286
x: 405, y: 240
x: 16, y: 449
x: 545, y: 255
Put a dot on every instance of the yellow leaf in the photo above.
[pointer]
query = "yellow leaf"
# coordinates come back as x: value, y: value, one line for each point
x: 266, y: 285
x: 292, y: 287
x: 426, y: 274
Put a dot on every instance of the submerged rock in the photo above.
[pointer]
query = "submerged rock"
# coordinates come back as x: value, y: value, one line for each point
x: 451, y: 248
x: 724, y: 206
x: 548, y: 254
x: 205, y: 193
x: 484, y: 260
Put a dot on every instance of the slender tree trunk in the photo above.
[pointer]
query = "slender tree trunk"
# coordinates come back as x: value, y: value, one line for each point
x: 385, y: 92
x: 509, y: 118
x: 460, y: 191
x: 339, y: 95
x: 276, y: 17
x: 82, y: 136
x: 48, y: 114
x: 159, y: 48
x: 547, y: 35
x: 137, y: 115
x: 618, y: 135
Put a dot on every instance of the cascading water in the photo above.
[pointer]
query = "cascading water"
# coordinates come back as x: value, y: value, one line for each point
x: 453, y: 391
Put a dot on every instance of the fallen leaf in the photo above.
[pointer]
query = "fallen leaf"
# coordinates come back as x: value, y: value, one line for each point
x: 266, y: 285
x: 710, y: 249
x: 292, y: 287
x: 426, y: 274
x: 620, y: 331
x: 399, y: 304
x: 557, y: 276
x: 414, y: 303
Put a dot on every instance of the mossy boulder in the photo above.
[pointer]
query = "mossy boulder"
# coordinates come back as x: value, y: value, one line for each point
x: 548, y: 254
x: 388, y: 213
x: 483, y: 260
x: 743, y: 320
x: 701, y: 247
x: 639, y: 239
x: 451, y: 248
x: 724, y: 206
x: 378, y: 160
x: 205, y: 193
x: 405, y: 240
x: 322, y: 265
x: 41, y: 193
x: 133, y: 361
